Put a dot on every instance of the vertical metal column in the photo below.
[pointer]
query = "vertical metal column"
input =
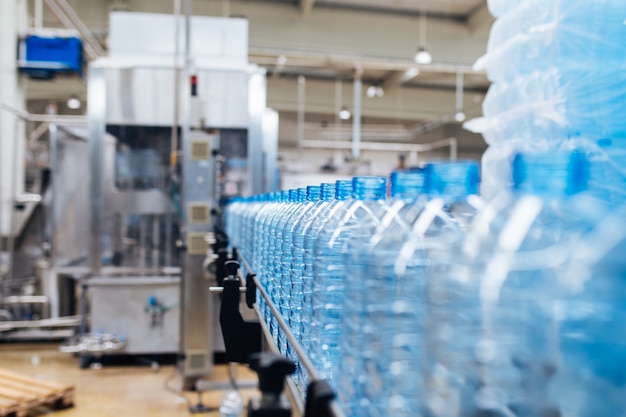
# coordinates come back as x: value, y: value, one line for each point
x: 256, y: 107
x: 96, y: 107
x: 459, y: 115
x: 270, y: 149
x: 301, y: 108
x: 197, y: 303
x: 12, y: 16
x: 356, y: 115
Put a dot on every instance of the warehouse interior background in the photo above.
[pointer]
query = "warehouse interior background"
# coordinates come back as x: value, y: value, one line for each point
x: 282, y: 207
x: 335, y: 70
x: 327, y: 43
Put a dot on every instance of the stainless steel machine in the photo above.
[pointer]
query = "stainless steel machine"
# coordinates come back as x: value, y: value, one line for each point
x: 191, y: 128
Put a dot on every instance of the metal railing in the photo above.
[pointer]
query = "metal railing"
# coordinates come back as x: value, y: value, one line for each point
x: 304, y: 359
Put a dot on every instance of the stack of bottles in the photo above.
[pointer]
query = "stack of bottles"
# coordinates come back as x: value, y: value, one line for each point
x: 429, y: 300
x: 558, y: 72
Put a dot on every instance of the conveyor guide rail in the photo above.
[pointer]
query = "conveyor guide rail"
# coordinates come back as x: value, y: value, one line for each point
x: 294, y: 392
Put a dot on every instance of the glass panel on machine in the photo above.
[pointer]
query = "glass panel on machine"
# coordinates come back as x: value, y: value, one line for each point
x: 141, y: 210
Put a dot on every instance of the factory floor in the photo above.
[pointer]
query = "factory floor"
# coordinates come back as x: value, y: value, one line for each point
x: 112, y: 391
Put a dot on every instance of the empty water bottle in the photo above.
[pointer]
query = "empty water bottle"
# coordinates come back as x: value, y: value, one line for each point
x: 590, y: 316
x: 328, y: 287
x: 336, y: 201
x: 359, y: 328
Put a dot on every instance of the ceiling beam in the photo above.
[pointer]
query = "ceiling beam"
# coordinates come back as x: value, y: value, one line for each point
x: 480, y: 19
x: 395, y: 79
x: 306, y: 6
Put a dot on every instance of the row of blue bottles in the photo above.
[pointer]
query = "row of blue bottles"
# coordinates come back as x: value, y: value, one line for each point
x: 496, y: 334
x: 294, y: 293
x: 368, y: 197
x: 282, y: 251
x: 381, y: 342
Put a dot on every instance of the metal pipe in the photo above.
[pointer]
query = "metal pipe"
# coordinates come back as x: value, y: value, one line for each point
x: 338, y: 121
x: 36, y: 133
x: 459, y: 94
x: 220, y: 290
x: 44, y: 118
x: 25, y: 299
x: 54, y: 186
x: 143, y: 240
x: 388, y: 147
x: 155, y: 240
x: 96, y: 107
x: 292, y: 390
x: 168, y: 240
x: 301, y: 108
x: 174, y: 134
x: 356, y: 117
x: 13, y: 196
x: 66, y: 14
x: 306, y: 362
x: 268, y: 57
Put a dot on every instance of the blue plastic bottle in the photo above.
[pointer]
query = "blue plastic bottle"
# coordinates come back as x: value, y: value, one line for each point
x: 328, y: 286
x: 281, y: 250
x: 336, y: 201
x: 394, y: 287
x: 489, y: 349
x: 391, y: 224
x: 591, y: 317
x: 272, y: 205
x: 529, y: 243
x: 321, y: 198
x: 270, y: 236
x: 293, y: 307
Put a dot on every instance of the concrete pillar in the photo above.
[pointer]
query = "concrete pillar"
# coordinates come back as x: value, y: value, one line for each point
x: 12, y: 21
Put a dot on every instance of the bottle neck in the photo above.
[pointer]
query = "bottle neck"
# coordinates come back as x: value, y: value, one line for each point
x: 343, y: 190
x: 407, y: 185
x: 369, y: 188
x: 314, y: 192
x: 328, y: 192
x: 452, y: 181
x: 553, y: 175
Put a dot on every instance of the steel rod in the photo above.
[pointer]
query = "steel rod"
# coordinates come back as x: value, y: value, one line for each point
x: 304, y: 358
x: 294, y: 394
x: 220, y: 290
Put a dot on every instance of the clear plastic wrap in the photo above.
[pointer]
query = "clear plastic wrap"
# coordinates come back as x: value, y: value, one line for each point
x: 539, y: 34
x: 556, y: 102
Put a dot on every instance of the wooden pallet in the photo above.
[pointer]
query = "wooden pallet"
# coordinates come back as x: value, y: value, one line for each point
x: 20, y: 394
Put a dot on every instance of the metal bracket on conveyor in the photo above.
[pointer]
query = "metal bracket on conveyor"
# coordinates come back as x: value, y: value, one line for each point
x: 242, y: 338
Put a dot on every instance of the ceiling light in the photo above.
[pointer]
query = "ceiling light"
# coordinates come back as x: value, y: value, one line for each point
x: 423, y: 57
x: 344, y: 113
x: 375, y: 90
x: 371, y: 91
x: 459, y: 117
x: 73, y: 103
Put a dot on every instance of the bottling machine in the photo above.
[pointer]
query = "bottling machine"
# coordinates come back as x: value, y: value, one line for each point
x: 177, y: 123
